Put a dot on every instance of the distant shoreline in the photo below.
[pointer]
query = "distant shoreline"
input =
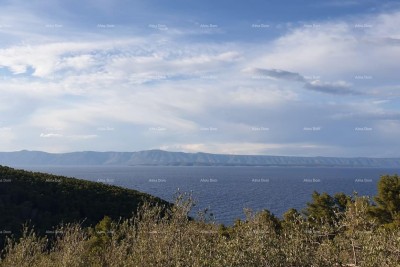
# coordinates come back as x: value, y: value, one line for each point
x: 201, y: 166
x: 165, y: 158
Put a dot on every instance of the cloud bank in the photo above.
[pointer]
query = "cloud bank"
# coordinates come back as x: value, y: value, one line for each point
x: 299, y: 89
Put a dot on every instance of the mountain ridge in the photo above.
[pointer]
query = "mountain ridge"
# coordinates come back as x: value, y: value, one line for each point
x: 158, y: 157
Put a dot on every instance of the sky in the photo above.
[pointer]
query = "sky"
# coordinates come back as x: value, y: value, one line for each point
x: 294, y: 78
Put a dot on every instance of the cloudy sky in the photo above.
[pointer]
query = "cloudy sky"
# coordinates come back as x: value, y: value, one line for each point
x: 303, y: 78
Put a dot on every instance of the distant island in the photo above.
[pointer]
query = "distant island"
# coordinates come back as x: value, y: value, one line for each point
x: 165, y: 158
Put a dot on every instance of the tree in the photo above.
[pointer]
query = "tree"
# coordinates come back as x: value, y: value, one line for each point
x: 342, y: 201
x: 325, y: 208
x: 101, y: 233
x: 321, y: 209
x: 292, y: 215
x: 387, y: 209
x: 266, y: 217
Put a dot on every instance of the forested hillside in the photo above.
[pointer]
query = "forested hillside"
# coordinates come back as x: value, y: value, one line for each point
x: 45, y: 201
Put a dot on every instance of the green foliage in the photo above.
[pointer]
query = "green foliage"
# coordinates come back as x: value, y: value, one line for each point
x: 154, y: 238
x: 325, y: 208
x: 46, y: 200
x: 387, y: 210
x: 333, y: 231
x: 101, y: 234
x: 341, y: 201
x: 291, y: 215
x: 321, y: 209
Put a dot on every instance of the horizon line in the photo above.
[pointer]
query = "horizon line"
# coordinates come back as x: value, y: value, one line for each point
x: 198, y: 152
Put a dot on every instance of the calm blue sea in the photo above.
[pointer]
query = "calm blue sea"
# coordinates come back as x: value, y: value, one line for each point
x: 226, y: 191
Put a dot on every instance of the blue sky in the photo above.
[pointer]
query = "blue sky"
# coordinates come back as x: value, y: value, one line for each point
x: 302, y: 78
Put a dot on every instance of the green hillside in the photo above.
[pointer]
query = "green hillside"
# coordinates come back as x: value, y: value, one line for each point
x: 46, y: 200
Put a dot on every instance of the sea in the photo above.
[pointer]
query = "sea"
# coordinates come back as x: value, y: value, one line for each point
x: 226, y: 191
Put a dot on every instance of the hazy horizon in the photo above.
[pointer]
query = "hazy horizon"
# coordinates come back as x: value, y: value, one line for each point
x: 199, y: 152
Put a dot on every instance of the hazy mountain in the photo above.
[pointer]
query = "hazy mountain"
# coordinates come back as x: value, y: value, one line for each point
x: 159, y: 157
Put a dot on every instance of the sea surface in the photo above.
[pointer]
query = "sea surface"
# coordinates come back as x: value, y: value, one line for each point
x: 226, y: 191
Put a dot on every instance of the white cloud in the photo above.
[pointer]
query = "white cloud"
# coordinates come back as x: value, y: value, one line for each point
x: 246, y: 148
x: 82, y: 136
x: 74, y: 136
x: 106, y: 129
x: 47, y: 59
x: 80, y: 62
x: 266, y: 95
x: 50, y: 135
x: 161, y: 81
x: 337, y: 49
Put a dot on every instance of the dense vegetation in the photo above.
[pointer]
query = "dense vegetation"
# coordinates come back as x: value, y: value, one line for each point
x: 335, y: 230
x: 44, y: 201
